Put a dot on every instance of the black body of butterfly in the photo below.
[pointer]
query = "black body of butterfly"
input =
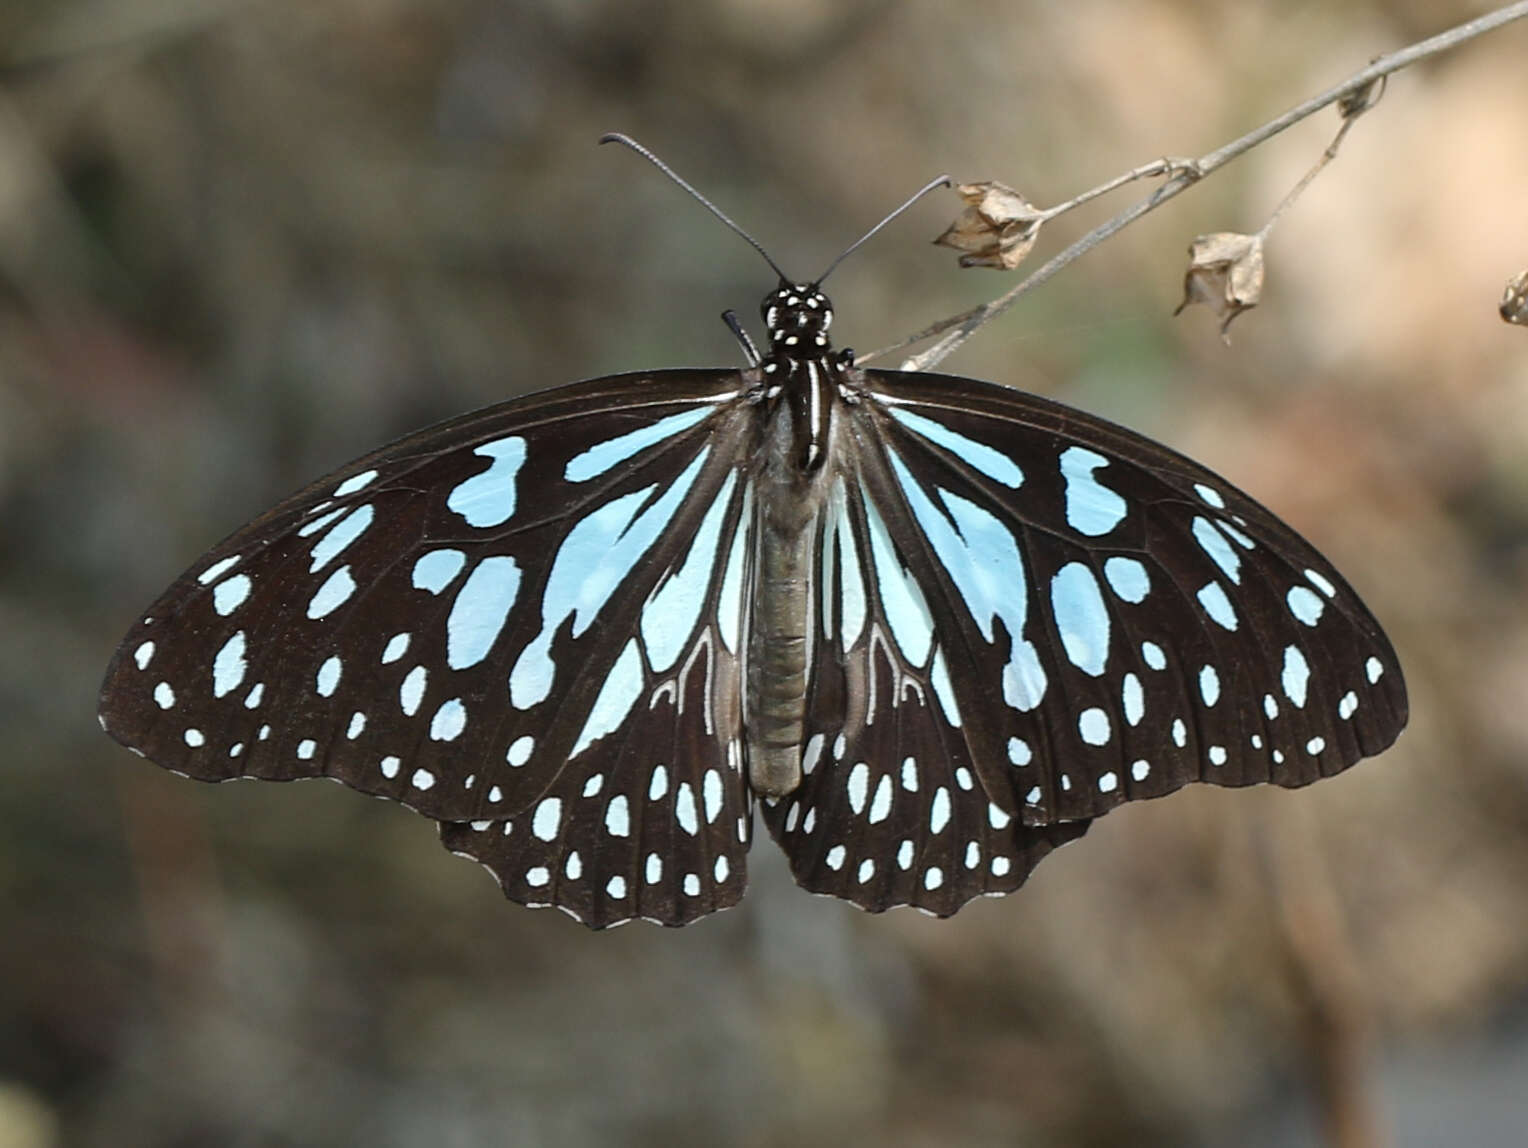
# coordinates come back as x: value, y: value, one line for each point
x: 927, y: 627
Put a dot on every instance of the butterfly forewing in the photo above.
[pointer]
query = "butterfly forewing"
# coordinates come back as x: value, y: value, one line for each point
x: 427, y: 624
x: 1125, y: 620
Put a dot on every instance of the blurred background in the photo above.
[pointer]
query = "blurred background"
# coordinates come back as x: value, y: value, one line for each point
x: 241, y: 243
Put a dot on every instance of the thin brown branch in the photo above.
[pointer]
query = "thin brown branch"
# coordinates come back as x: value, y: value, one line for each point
x: 958, y: 328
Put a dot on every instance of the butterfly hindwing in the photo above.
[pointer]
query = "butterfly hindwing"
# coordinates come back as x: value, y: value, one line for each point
x: 656, y: 824
x: 890, y: 811
x: 425, y: 624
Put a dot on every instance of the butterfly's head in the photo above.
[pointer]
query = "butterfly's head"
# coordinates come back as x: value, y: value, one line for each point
x: 797, y: 316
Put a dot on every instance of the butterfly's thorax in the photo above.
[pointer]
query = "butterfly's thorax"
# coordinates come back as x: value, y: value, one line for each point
x: 801, y: 379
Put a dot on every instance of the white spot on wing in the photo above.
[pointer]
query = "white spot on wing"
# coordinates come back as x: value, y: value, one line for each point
x: 902, y: 600
x: 411, y: 692
x: 622, y: 687
x: 334, y: 593
x: 217, y: 569
x: 1091, y: 508
x: 328, y: 679
x: 859, y: 787
x: 1305, y: 605
x: 684, y: 809
x: 341, y: 535
x: 229, y: 595
x: 838, y: 547
x: 434, y: 571
x: 547, y: 819
x: 811, y: 753
x: 988, y: 460
x: 1093, y: 724
x: 944, y: 689
x: 1127, y: 578
x: 354, y: 483
x: 449, y: 721
x: 939, y: 811
x: 1321, y: 582
x: 597, y: 459
x: 1212, y: 596
x: 1077, y: 604
x: 480, y: 610
x: 1296, y: 676
x: 488, y: 499
x: 1209, y: 685
x: 618, y: 817
x: 729, y: 602
x: 711, y: 794
x: 1132, y: 699
x: 229, y: 666
x: 1210, y: 495
x: 1221, y: 552
x: 668, y: 620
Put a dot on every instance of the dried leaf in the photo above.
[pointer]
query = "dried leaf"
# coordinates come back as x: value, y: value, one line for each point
x: 997, y: 230
x: 1225, y: 272
x: 1514, y: 300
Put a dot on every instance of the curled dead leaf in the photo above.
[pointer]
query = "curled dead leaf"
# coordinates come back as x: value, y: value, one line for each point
x: 1225, y: 273
x: 997, y: 229
x: 1514, y: 300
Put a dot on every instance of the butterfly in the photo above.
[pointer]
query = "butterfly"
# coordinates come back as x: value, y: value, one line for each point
x: 926, y: 628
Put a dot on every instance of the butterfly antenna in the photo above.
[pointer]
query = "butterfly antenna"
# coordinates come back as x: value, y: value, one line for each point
x: 942, y: 181
x: 617, y: 137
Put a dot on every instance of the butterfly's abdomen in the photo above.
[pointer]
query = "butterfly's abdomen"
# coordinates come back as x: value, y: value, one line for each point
x: 782, y: 602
